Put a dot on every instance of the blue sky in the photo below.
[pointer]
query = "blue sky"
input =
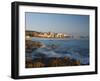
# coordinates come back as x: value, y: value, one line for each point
x: 67, y: 23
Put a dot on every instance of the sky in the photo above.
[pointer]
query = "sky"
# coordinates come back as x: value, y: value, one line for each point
x: 51, y: 22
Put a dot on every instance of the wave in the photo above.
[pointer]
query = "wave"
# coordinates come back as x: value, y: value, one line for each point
x: 74, y: 49
x: 45, y: 52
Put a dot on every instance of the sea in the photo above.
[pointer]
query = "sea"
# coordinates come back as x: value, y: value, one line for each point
x: 74, y: 48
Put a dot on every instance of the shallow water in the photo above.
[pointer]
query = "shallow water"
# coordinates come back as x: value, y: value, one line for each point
x: 73, y: 48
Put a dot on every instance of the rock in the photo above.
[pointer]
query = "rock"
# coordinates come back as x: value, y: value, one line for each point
x: 51, y: 62
x: 32, y: 45
x: 38, y: 64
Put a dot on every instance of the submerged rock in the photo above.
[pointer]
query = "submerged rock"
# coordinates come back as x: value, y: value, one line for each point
x: 32, y: 45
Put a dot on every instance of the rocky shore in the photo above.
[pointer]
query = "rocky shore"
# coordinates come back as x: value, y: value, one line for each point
x: 51, y: 62
x: 42, y: 61
x: 32, y: 45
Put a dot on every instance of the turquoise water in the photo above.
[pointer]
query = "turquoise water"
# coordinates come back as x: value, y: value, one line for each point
x: 73, y: 48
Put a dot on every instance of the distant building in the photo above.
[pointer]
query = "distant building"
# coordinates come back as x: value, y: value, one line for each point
x: 60, y: 35
x: 46, y: 34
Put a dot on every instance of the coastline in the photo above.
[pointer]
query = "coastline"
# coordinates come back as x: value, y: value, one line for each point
x: 59, y: 38
x: 38, y: 48
x: 51, y: 62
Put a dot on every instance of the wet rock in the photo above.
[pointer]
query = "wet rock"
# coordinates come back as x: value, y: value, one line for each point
x: 32, y: 45
x: 52, y: 62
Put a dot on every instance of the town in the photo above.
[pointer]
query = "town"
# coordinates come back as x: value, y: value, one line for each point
x: 46, y: 34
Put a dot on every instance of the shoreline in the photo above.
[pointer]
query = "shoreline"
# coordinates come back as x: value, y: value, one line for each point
x: 60, y: 38
x: 51, y: 62
x: 32, y: 45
